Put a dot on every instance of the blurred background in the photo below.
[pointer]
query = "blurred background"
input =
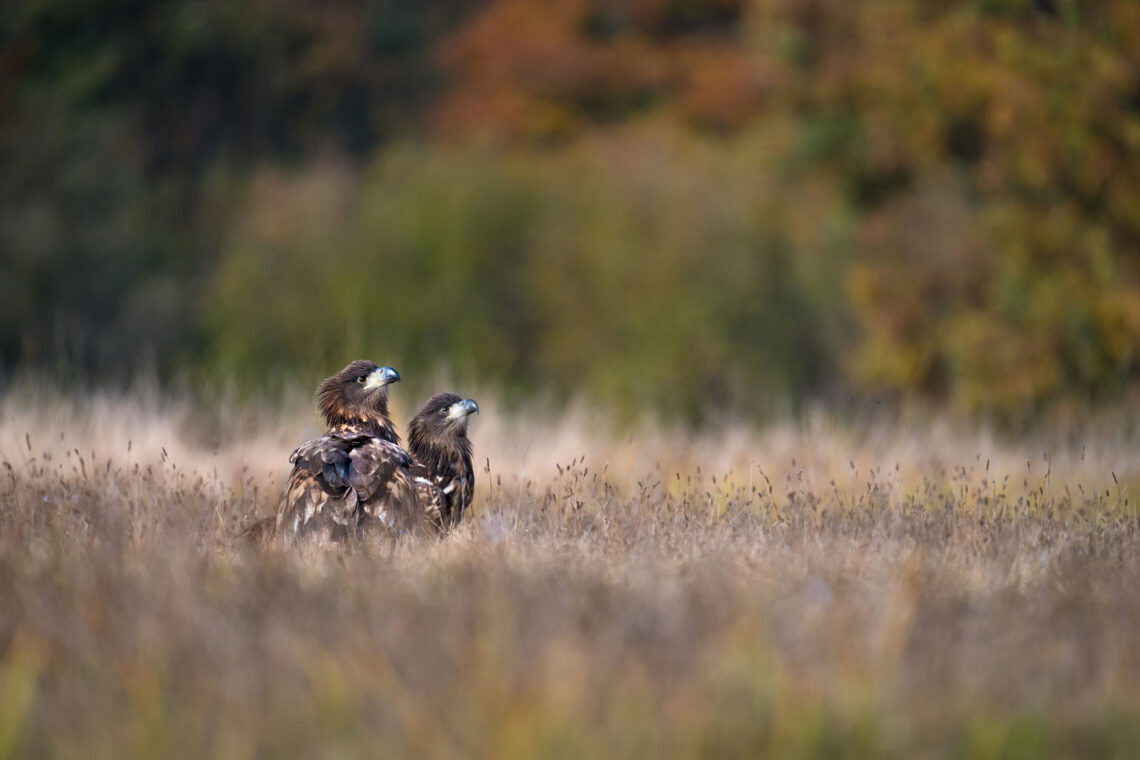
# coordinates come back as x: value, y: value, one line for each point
x: 688, y: 206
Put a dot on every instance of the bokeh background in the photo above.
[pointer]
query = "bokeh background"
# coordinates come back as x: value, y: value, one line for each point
x: 689, y: 206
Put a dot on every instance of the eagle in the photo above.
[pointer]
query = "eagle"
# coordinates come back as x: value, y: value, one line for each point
x: 356, y: 476
x: 441, y: 458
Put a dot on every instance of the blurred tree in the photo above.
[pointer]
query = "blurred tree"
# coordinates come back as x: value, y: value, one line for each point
x: 613, y: 274
x: 127, y: 126
x: 687, y: 203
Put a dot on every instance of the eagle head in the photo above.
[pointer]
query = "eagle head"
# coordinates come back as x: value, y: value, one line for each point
x: 356, y: 393
x: 444, y: 416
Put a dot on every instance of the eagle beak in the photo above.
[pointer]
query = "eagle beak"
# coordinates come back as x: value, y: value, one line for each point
x: 463, y: 409
x: 382, y: 376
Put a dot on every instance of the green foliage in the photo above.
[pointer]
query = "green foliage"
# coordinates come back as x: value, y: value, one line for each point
x: 126, y: 126
x: 611, y: 273
x: 691, y: 205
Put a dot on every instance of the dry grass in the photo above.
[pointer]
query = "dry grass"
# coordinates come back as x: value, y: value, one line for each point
x: 902, y: 589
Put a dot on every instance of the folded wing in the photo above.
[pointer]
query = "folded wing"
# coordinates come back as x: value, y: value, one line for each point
x: 343, y: 481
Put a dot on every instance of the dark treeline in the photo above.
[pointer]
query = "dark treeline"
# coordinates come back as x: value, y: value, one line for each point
x: 683, y: 205
x: 128, y: 129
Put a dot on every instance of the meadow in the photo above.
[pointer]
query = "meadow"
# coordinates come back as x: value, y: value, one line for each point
x: 851, y: 288
x: 880, y: 585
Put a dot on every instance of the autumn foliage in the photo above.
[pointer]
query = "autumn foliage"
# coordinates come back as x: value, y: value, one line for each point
x: 699, y: 203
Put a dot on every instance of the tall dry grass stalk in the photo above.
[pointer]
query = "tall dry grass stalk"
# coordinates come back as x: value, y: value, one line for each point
x: 808, y: 589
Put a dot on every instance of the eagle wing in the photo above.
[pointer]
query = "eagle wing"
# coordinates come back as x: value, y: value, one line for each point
x: 339, y: 480
x: 445, y: 493
x: 431, y: 497
x: 466, y: 488
x: 380, y: 474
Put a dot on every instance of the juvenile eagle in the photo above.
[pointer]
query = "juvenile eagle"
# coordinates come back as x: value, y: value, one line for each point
x: 441, y: 454
x: 356, y: 475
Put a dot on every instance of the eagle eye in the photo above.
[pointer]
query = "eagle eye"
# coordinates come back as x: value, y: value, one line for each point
x: 362, y: 378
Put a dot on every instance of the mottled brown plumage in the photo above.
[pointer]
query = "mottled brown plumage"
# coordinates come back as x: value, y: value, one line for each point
x: 356, y: 476
x: 441, y: 453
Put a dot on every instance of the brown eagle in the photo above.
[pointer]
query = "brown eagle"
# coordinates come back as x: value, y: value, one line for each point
x: 355, y: 476
x: 441, y: 454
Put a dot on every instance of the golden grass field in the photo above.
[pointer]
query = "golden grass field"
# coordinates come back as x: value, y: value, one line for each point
x: 907, y: 587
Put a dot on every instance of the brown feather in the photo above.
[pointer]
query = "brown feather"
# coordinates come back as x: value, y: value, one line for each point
x: 356, y: 477
x: 431, y: 497
x: 342, y: 405
x: 442, y: 452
